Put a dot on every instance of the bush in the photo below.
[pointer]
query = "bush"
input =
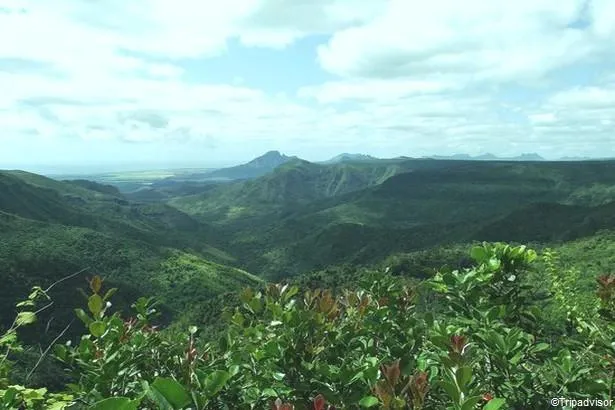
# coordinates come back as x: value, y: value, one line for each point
x: 471, y: 338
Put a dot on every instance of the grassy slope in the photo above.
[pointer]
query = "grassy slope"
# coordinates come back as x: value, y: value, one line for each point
x: 291, y: 185
x: 68, y: 203
x: 49, y: 229
x: 301, y: 217
x: 306, y: 215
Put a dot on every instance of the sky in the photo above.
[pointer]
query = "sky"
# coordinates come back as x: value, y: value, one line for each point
x: 151, y: 83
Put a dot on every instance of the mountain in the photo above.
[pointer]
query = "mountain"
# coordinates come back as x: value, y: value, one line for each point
x: 484, y: 157
x: 42, y: 199
x: 257, y: 167
x: 450, y: 157
x: 489, y: 157
x: 50, y: 228
x: 96, y: 186
x: 526, y: 157
x: 305, y: 215
x: 367, y: 231
x: 575, y: 159
x: 290, y: 186
x: 253, y: 169
x: 345, y: 157
x: 299, y: 217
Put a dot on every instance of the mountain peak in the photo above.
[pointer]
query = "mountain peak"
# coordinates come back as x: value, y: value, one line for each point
x: 257, y: 167
x: 346, y: 157
x: 270, y: 159
x: 272, y: 153
x: 532, y: 156
x: 489, y: 157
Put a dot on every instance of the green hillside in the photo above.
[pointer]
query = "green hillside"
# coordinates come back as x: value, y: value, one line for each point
x: 304, y: 215
x: 293, y: 184
x: 371, y: 232
x: 67, y: 203
x: 49, y: 229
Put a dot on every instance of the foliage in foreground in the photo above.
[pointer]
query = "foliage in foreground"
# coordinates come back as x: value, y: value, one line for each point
x: 477, y: 338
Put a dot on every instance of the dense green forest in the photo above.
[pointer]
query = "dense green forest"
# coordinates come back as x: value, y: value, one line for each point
x: 398, y: 284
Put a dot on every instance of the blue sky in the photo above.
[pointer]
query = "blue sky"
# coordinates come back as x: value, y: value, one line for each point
x: 161, y: 83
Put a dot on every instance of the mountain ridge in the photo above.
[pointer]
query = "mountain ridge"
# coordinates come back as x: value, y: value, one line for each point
x: 488, y: 157
x: 346, y: 157
x: 255, y: 168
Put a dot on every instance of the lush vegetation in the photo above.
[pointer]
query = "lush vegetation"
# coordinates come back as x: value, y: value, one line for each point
x: 367, y: 287
x: 49, y: 228
x: 481, y: 337
x: 306, y: 216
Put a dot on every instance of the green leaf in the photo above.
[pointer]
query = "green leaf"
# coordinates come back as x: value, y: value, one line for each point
x: 8, y: 338
x: 531, y: 256
x: 292, y: 291
x: 169, y: 392
x: 471, y: 402
x: 566, y: 360
x: 215, y: 381
x: 86, y: 347
x: 494, y: 404
x: 9, y: 396
x: 61, y: 352
x: 450, y: 389
x: 540, y: 347
x: 25, y: 303
x: 269, y: 392
x: 83, y: 316
x: 59, y: 405
x: 25, y: 318
x: 516, y: 358
x: 95, y: 304
x: 369, y: 401
x: 463, y: 376
x: 278, y: 376
x: 494, y: 263
x: 97, y: 329
x: 234, y: 369
x: 109, y: 293
x: 595, y: 387
x: 116, y: 403
x: 478, y: 253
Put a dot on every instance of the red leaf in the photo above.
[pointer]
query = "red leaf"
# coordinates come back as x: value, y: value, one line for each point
x: 319, y: 402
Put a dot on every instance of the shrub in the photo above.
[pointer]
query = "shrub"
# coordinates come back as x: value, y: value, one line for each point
x: 471, y: 338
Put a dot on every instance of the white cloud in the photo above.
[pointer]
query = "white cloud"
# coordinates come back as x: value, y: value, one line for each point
x: 602, y: 13
x: 79, y: 33
x: 412, y: 76
x: 370, y: 90
x: 543, y: 118
x: 479, y: 39
x: 585, y: 118
x: 585, y: 97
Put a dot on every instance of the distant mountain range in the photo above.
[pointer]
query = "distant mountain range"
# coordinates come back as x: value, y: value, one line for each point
x: 256, y: 168
x: 345, y: 157
x: 271, y: 160
x: 303, y: 215
x: 489, y: 157
x: 253, y: 169
x: 578, y: 158
x: 523, y: 157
